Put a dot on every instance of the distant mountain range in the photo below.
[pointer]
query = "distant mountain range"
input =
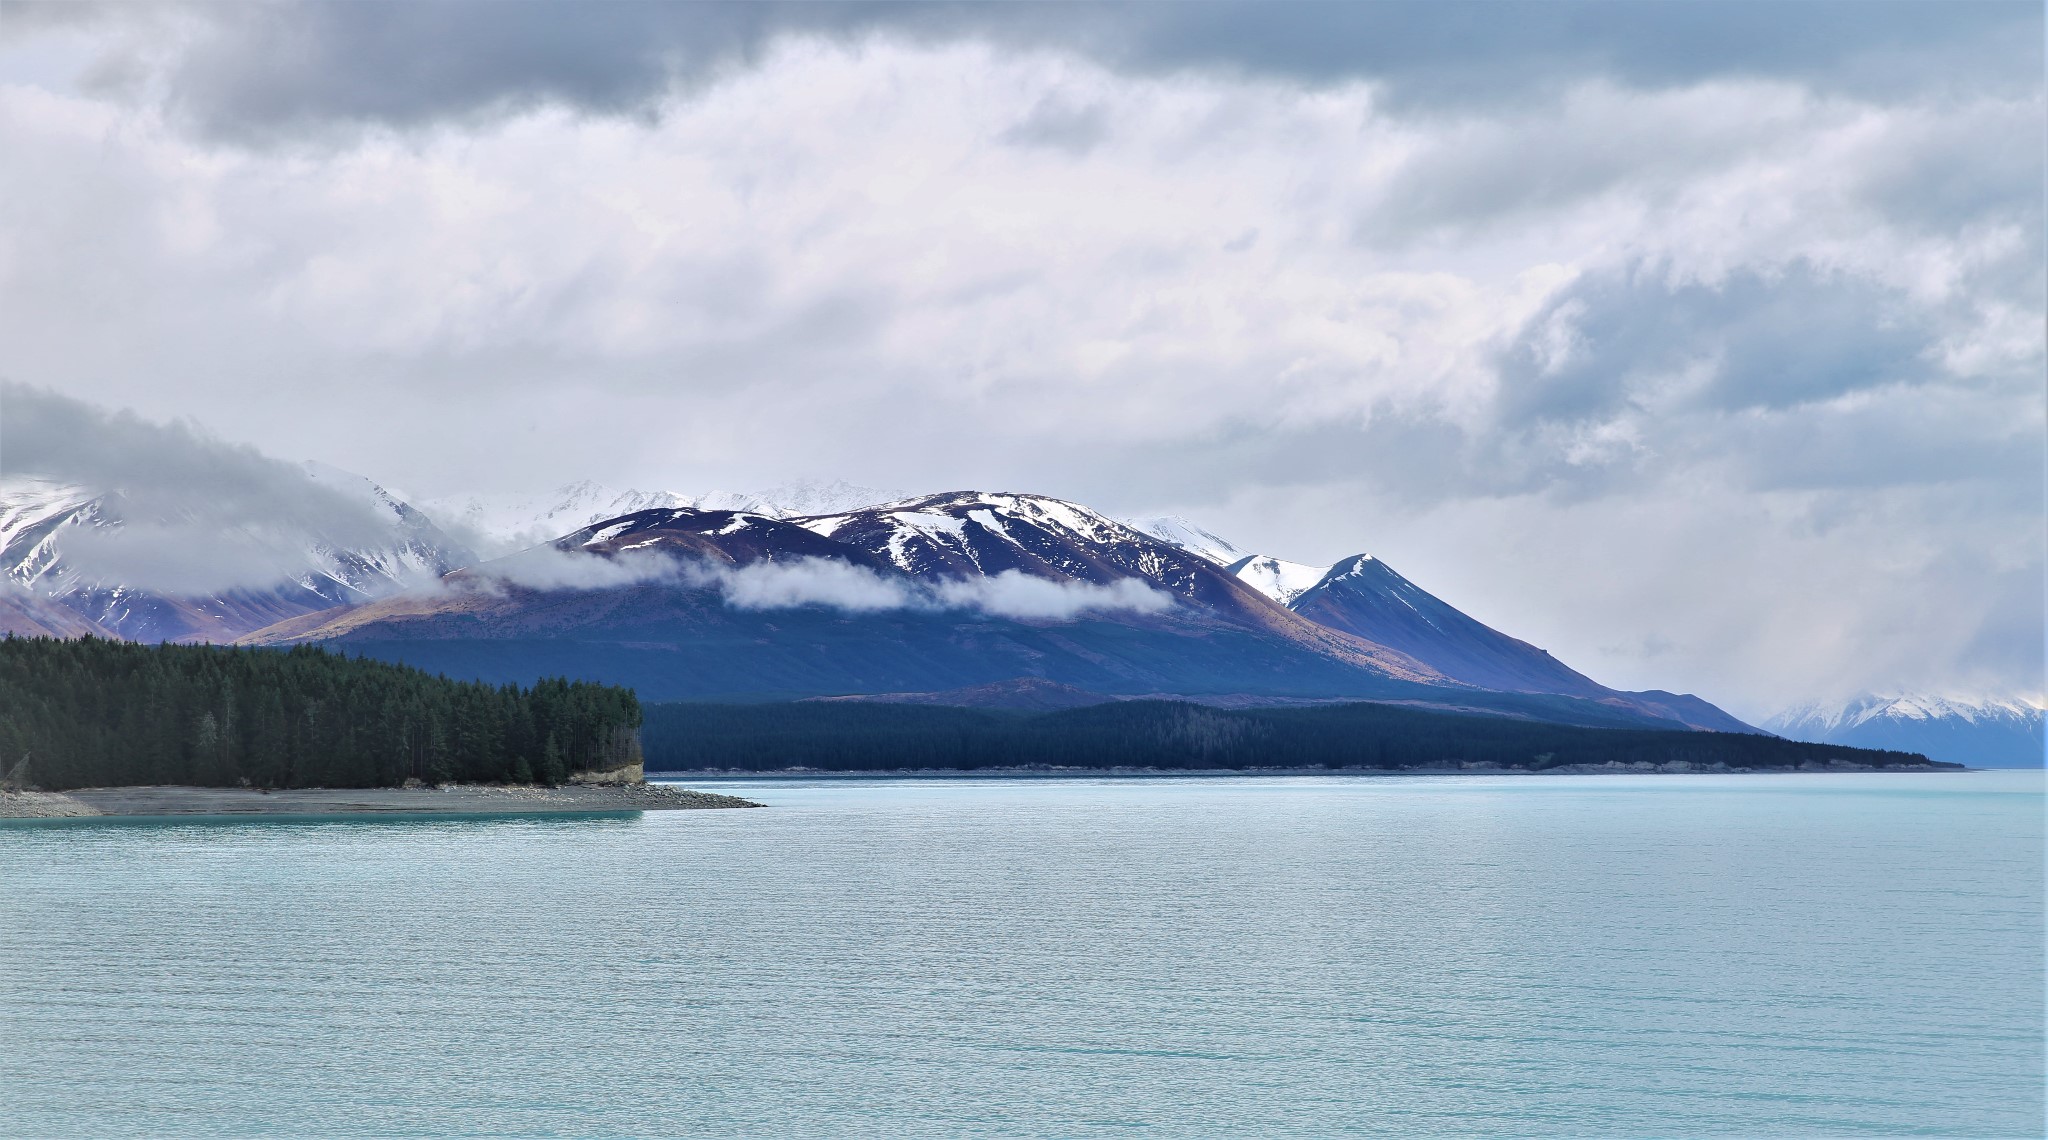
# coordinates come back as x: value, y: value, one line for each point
x: 951, y: 592
x: 828, y: 589
x: 1983, y: 733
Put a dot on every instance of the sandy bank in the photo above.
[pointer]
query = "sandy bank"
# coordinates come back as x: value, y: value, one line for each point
x: 454, y: 799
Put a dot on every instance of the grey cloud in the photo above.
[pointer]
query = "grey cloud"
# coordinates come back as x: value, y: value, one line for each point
x: 1762, y: 342
x: 169, y: 472
x: 1984, y: 162
x: 1799, y: 380
x: 1062, y: 125
x: 196, y: 515
x: 261, y: 69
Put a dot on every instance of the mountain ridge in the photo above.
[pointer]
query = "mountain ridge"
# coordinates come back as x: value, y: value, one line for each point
x: 920, y: 595
x: 1982, y: 731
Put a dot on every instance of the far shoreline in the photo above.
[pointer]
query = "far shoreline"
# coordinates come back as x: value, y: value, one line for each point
x: 733, y: 775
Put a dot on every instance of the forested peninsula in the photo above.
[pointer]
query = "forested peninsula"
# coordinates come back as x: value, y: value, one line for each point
x: 834, y: 736
x: 96, y: 713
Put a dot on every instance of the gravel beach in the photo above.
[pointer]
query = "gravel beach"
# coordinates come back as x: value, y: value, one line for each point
x: 453, y: 799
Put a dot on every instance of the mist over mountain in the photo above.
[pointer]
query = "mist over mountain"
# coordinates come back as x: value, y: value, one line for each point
x: 815, y: 588
x: 970, y: 592
x: 113, y: 525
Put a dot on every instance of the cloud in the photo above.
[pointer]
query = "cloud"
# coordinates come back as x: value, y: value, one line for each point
x: 191, y: 514
x: 277, y: 69
x: 549, y: 567
x: 1523, y: 298
x: 1061, y: 124
x: 813, y: 582
x: 1018, y: 595
x: 828, y: 582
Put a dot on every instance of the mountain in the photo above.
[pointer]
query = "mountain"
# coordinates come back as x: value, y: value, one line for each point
x: 1277, y: 578
x: 950, y: 593
x: 1364, y: 597
x: 509, y: 522
x: 1034, y: 694
x: 69, y: 555
x: 932, y: 594
x: 1980, y: 732
x: 1189, y: 537
x: 973, y: 534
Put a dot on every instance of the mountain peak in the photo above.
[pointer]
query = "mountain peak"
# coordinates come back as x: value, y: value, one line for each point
x: 511, y: 521
x: 1277, y: 578
x: 983, y: 533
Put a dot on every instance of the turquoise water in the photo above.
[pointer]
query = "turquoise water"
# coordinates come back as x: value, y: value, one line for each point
x: 1811, y: 955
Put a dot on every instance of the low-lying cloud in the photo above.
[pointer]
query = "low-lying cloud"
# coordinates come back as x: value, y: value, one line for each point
x: 175, y: 510
x: 826, y: 582
x: 1018, y: 595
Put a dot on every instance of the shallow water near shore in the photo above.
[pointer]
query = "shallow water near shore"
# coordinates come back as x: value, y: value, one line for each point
x: 1771, y: 955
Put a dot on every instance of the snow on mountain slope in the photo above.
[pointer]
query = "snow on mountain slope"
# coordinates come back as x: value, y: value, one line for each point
x: 929, y: 595
x: 1276, y: 578
x: 33, y: 512
x: 948, y: 588
x: 799, y: 498
x: 1191, y: 537
x: 165, y: 572
x: 1984, y: 732
x: 979, y: 534
x: 509, y: 522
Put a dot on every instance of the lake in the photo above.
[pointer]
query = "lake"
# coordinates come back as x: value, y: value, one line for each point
x: 1769, y: 955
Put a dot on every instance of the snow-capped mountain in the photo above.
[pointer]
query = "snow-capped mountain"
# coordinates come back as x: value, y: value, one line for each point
x: 511, y: 522
x: 982, y: 534
x: 932, y: 594
x: 147, y: 571
x: 1364, y: 597
x: 1278, y: 579
x: 1983, y: 732
x: 1190, y: 537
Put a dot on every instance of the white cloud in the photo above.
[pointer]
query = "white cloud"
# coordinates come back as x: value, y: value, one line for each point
x: 825, y: 582
x: 181, y: 512
x: 838, y: 260
x: 1019, y: 595
x: 812, y: 582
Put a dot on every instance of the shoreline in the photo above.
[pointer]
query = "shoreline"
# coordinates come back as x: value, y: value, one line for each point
x: 170, y: 800
x: 1676, y: 768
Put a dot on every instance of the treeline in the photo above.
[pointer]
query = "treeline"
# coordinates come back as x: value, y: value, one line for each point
x: 843, y: 736
x: 96, y: 713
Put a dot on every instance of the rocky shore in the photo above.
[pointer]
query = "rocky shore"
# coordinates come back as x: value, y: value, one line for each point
x: 447, y: 799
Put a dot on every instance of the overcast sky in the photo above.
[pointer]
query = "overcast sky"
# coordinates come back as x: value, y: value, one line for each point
x: 1700, y: 344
